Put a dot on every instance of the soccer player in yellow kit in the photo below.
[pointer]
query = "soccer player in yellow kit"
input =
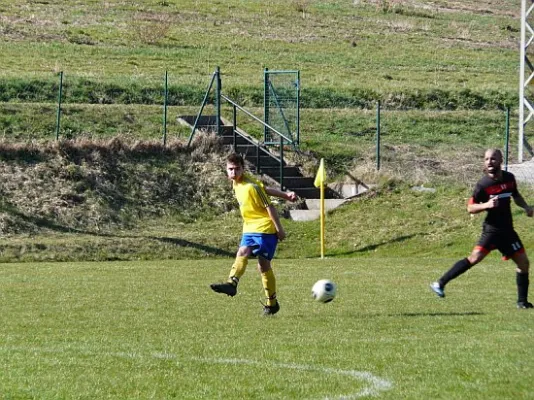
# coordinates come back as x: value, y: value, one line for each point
x: 261, y: 231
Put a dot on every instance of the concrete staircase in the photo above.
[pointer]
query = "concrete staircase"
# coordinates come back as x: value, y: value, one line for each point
x: 265, y: 162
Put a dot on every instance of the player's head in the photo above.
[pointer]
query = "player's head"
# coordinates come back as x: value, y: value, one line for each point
x: 235, y: 166
x: 492, y: 161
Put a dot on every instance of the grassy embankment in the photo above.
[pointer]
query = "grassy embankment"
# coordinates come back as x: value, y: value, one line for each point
x: 454, y: 68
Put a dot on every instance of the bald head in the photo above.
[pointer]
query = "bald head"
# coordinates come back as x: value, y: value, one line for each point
x: 494, y: 152
x: 492, y: 162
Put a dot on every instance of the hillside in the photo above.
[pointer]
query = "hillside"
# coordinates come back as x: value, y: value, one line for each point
x: 444, y: 73
x: 406, y: 53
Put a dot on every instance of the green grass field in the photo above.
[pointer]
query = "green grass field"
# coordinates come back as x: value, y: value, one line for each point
x: 140, y: 330
x: 78, y: 326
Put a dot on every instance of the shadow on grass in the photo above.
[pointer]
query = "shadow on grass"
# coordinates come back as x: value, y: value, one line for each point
x: 424, y: 314
x: 438, y: 314
x: 372, y: 247
x: 45, y: 223
x: 186, y: 243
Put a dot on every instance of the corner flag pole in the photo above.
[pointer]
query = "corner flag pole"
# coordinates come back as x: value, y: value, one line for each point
x: 319, y: 182
x: 322, y: 220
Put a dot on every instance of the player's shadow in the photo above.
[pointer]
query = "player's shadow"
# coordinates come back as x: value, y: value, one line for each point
x: 51, y: 225
x: 421, y: 314
x: 438, y: 314
x: 186, y: 243
x: 375, y: 246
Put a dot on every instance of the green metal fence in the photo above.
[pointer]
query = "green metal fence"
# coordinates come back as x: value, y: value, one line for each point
x: 67, y: 106
x: 281, y: 105
x: 56, y: 111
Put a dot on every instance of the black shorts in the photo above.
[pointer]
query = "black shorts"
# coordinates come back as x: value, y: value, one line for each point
x: 507, y: 242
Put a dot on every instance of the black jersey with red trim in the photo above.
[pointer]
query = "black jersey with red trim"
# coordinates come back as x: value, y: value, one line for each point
x: 505, y: 188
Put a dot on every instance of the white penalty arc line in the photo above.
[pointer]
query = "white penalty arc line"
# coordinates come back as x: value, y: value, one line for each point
x: 374, y: 387
x: 375, y: 384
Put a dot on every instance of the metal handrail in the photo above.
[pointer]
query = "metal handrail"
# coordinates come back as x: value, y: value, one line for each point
x: 256, y: 118
x: 219, y: 95
x: 204, y: 101
x: 282, y: 137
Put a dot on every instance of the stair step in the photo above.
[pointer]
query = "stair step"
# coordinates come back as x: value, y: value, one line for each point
x: 314, y: 211
x: 252, y: 150
x: 227, y: 131
x: 269, y: 162
x: 312, y: 192
x: 329, y: 204
x: 307, y: 193
x: 265, y: 161
x: 205, y: 123
x: 304, y: 215
x: 228, y: 140
x: 274, y: 171
x: 204, y: 120
x: 298, y: 181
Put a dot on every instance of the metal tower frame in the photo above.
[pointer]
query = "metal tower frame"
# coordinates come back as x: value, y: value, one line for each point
x: 526, y: 74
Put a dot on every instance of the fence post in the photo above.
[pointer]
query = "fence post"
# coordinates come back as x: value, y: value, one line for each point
x: 165, y: 97
x: 58, y: 114
x: 258, y: 158
x: 507, y: 138
x: 265, y: 103
x: 234, y: 128
x: 218, y: 100
x: 298, y: 108
x: 378, y: 135
x: 282, y: 186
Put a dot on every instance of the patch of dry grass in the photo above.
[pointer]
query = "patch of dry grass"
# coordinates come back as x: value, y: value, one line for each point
x: 411, y: 164
x: 85, y: 185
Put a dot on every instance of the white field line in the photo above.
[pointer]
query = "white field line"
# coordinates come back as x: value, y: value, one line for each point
x: 375, y: 384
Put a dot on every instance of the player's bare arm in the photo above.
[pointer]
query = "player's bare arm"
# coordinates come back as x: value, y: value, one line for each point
x: 271, y: 210
x: 520, y: 201
x: 291, y: 196
x: 474, y: 208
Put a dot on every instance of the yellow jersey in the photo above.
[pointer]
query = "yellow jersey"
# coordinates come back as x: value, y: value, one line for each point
x: 253, y: 203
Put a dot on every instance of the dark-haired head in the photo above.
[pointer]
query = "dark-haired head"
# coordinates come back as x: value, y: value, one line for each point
x: 235, y: 158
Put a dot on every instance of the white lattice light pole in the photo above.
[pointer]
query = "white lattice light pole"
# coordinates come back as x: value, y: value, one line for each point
x: 526, y: 74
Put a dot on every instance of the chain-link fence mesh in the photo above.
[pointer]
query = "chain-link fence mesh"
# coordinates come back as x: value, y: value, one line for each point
x: 282, y: 105
x: 418, y: 143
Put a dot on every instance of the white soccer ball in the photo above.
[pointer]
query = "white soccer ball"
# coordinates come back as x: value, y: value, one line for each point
x: 324, y: 291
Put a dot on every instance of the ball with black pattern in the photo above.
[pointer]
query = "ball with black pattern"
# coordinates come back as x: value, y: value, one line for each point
x: 324, y: 291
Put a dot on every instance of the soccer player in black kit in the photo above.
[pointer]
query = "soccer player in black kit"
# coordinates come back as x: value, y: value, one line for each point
x: 493, y: 194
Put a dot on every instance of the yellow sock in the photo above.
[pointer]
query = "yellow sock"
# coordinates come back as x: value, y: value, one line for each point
x: 269, y: 285
x: 238, y: 269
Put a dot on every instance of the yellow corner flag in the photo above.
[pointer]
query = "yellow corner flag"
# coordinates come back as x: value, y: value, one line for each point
x: 319, y: 182
x: 321, y: 175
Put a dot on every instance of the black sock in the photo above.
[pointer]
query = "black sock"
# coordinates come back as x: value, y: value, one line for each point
x: 456, y: 270
x: 522, y: 286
